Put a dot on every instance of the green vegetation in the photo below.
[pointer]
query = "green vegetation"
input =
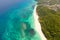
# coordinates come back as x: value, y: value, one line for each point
x: 50, y: 2
x: 50, y: 22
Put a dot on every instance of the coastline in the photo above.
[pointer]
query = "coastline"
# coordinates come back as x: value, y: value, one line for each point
x: 37, y: 24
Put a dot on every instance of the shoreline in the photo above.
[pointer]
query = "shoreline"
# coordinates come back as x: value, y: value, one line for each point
x: 37, y: 24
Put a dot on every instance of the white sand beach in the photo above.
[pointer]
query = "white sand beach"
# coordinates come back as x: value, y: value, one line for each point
x: 37, y: 25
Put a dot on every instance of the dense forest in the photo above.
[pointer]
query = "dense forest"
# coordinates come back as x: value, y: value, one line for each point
x: 50, y: 22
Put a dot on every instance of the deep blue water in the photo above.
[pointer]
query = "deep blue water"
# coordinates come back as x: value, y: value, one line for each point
x: 14, y: 14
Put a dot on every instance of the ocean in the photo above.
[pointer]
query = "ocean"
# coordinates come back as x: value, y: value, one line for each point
x: 16, y: 20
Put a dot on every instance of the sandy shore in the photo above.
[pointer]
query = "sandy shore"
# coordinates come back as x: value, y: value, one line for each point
x: 37, y: 25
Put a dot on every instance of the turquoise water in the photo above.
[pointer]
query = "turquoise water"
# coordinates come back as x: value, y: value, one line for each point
x: 16, y: 20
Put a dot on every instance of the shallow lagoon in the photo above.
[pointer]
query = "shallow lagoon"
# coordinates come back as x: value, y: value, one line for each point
x: 16, y: 20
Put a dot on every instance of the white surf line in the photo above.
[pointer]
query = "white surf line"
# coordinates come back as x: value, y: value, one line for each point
x: 37, y: 25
